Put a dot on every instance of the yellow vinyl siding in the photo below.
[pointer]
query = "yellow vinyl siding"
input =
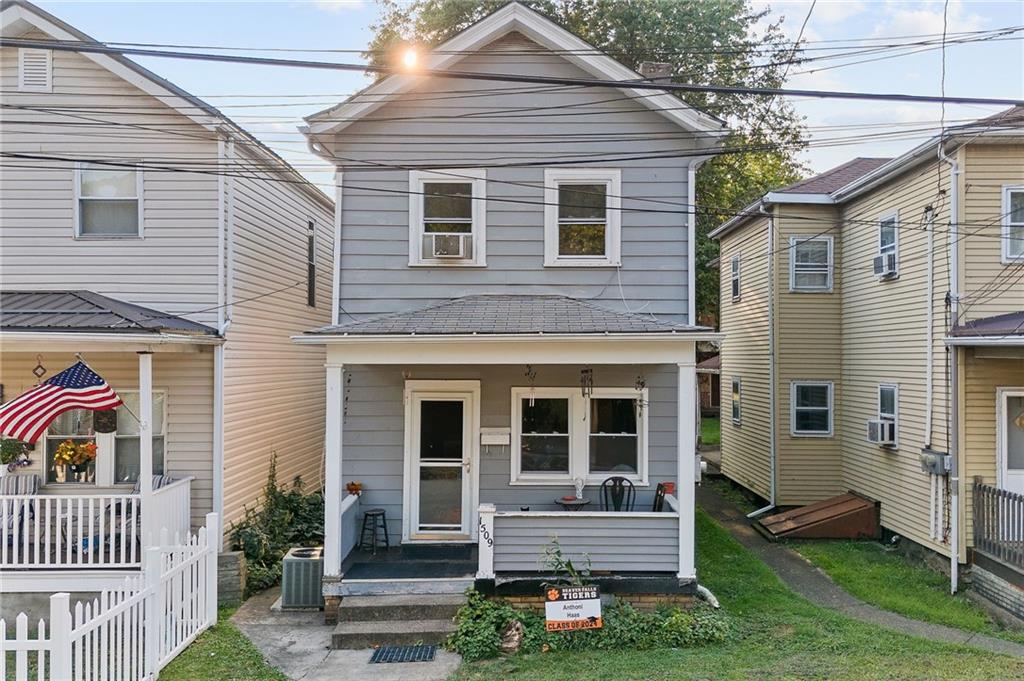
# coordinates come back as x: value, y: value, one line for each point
x: 746, y: 447
x: 884, y: 340
x: 808, y: 326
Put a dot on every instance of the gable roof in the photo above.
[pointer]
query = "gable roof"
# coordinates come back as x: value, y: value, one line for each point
x: 513, y: 17
x: 20, y: 16
x: 835, y: 178
x: 85, y: 311
x: 504, y: 315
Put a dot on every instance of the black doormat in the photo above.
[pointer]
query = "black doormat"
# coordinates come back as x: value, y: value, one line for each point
x: 386, y: 654
x: 411, y: 570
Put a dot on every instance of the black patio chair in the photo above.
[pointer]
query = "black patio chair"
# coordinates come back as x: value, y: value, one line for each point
x: 617, y: 494
x: 659, y: 498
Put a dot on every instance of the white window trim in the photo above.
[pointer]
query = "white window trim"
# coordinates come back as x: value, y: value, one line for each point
x: 795, y: 241
x: 475, y: 176
x: 612, y: 177
x: 895, y: 216
x: 793, y: 385
x: 579, y: 436
x: 21, y: 70
x: 78, y: 212
x: 106, y: 453
x: 1008, y: 258
x: 1002, y: 395
x: 895, y: 417
x: 735, y: 276
x: 738, y: 420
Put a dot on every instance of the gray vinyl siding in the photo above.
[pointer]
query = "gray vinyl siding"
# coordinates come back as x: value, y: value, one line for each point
x: 374, y: 427
x: 595, y: 542
x: 415, y: 130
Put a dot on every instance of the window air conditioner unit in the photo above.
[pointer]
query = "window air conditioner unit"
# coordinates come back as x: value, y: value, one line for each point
x: 447, y: 246
x: 885, y: 265
x: 881, y: 432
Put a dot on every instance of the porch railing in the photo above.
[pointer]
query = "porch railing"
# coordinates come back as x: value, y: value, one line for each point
x: 172, y: 508
x: 604, y: 541
x: 999, y: 523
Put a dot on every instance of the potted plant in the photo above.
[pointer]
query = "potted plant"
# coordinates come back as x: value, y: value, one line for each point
x: 76, y: 457
x: 354, y: 487
x: 11, y: 451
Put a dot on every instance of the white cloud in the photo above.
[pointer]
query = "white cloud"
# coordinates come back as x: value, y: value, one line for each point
x: 339, y: 5
x: 834, y: 11
x: 926, y: 18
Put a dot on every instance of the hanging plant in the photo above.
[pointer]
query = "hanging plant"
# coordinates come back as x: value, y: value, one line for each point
x: 11, y: 451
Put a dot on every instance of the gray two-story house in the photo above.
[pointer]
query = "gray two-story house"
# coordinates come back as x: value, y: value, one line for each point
x: 514, y: 321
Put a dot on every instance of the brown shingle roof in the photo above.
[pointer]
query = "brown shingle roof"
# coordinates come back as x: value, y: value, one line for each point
x: 836, y: 178
x: 1004, y: 325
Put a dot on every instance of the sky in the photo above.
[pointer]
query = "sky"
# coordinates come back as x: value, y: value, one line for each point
x: 270, y: 101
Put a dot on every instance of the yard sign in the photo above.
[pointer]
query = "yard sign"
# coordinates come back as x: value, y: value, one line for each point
x: 567, y: 608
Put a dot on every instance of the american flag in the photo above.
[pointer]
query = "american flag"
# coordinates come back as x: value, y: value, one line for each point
x: 26, y: 417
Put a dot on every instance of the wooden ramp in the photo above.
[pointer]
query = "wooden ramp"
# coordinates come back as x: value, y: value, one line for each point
x: 847, y: 516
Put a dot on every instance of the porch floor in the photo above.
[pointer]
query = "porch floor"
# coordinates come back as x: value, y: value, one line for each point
x: 408, y: 569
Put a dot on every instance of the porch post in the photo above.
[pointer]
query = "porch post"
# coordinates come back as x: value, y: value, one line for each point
x: 686, y: 426
x: 332, y: 469
x: 145, y: 415
x: 485, y: 536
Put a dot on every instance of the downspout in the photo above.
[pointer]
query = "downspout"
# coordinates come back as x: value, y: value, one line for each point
x: 336, y: 274
x: 222, y: 325
x: 930, y: 332
x: 954, y: 370
x: 772, y: 416
x: 691, y: 240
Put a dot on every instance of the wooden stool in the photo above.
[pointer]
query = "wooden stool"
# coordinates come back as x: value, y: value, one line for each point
x: 370, y: 524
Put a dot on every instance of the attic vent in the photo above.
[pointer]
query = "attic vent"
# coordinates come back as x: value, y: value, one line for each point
x: 35, y: 70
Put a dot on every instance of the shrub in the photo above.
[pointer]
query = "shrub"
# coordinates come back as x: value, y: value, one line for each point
x: 288, y: 517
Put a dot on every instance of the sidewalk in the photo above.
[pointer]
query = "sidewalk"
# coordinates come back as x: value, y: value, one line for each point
x: 815, y: 585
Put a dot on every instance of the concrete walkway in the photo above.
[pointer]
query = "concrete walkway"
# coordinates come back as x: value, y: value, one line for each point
x: 817, y: 587
x: 299, y: 644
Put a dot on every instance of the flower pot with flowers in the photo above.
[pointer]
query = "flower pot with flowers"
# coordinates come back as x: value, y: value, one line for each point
x: 76, y: 458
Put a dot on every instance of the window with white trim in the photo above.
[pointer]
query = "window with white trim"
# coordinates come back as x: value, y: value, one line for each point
x: 126, y: 439
x: 889, y: 240
x: 35, y: 70
x: 108, y: 201
x: 448, y: 217
x: 74, y: 427
x: 888, y: 408
x: 811, y: 408
x: 737, y: 400
x: 311, y: 263
x: 734, y: 266
x: 1013, y: 224
x: 582, y: 220
x: 559, y: 435
x: 810, y: 263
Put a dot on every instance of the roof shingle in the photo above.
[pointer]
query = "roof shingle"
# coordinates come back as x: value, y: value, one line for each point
x: 835, y: 178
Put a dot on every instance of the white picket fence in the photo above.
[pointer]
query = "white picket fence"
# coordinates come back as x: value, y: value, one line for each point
x: 129, y: 633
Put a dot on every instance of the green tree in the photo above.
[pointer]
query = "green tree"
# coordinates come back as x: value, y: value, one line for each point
x: 723, y: 42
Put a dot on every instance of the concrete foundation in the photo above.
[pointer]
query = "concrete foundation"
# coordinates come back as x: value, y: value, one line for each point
x: 231, y: 574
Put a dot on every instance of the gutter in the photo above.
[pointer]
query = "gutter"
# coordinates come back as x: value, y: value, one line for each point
x: 539, y: 337
x: 772, y: 369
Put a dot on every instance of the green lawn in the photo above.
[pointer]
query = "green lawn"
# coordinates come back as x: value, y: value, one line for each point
x: 221, y: 652
x: 710, y: 430
x: 906, y: 588
x: 779, y: 636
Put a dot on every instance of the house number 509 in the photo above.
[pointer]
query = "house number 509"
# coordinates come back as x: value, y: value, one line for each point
x: 485, y: 532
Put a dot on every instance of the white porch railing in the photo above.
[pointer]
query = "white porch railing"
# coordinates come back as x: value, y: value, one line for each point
x: 349, y: 524
x: 172, y: 508
x: 129, y: 633
x: 604, y: 541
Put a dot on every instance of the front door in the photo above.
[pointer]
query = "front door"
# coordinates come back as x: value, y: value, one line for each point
x: 442, y: 426
x: 1011, y: 439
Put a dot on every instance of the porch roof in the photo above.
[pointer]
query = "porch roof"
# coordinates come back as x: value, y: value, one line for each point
x: 508, y: 315
x: 1004, y: 329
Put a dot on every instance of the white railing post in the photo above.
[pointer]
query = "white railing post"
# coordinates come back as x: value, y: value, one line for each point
x: 153, y: 609
x: 332, y: 469
x: 686, y: 451
x: 145, y: 416
x: 485, y: 532
x: 213, y: 541
x: 60, y: 637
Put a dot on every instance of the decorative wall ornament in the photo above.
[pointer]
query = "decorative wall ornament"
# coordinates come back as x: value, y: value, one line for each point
x: 531, y: 376
x: 40, y: 370
x: 587, y: 381
x: 638, y: 403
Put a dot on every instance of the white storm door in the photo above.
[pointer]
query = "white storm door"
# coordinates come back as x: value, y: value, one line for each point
x: 441, y: 435
x: 1011, y: 439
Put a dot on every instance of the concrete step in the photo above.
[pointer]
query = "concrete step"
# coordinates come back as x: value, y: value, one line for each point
x: 394, y: 587
x: 358, y: 635
x: 399, y: 608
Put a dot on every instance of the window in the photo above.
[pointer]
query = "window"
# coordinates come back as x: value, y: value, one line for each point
x: 889, y: 244
x: 311, y: 263
x: 888, y: 409
x: 1013, y: 224
x: 559, y: 435
x: 811, y: 408
x: 35, y: 70
x: 76, y: 426
x: 581, y: 217
x: 126, y: 439
x: 447, y: 218
x: 737, y: 400
x: 108, y: 202
x: 735, y: 265
x: 810, y: 263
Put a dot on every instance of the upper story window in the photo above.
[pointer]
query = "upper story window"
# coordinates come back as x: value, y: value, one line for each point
x: 108, y: 201
x: 1013, y: 224
x: 737, y: 400
x: 35, y: 70
x: 887, y: 263
x: 811, y: 408
x: 734, y: 279
x: 810, y: 263
x: 311, y: 263
x: 447, y: 217
x: 582, y: 220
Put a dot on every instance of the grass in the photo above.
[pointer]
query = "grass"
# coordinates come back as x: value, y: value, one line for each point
x: 221, y: 652
x: 710, y: 430
x: 779, y: 636
x: 862, y: 567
